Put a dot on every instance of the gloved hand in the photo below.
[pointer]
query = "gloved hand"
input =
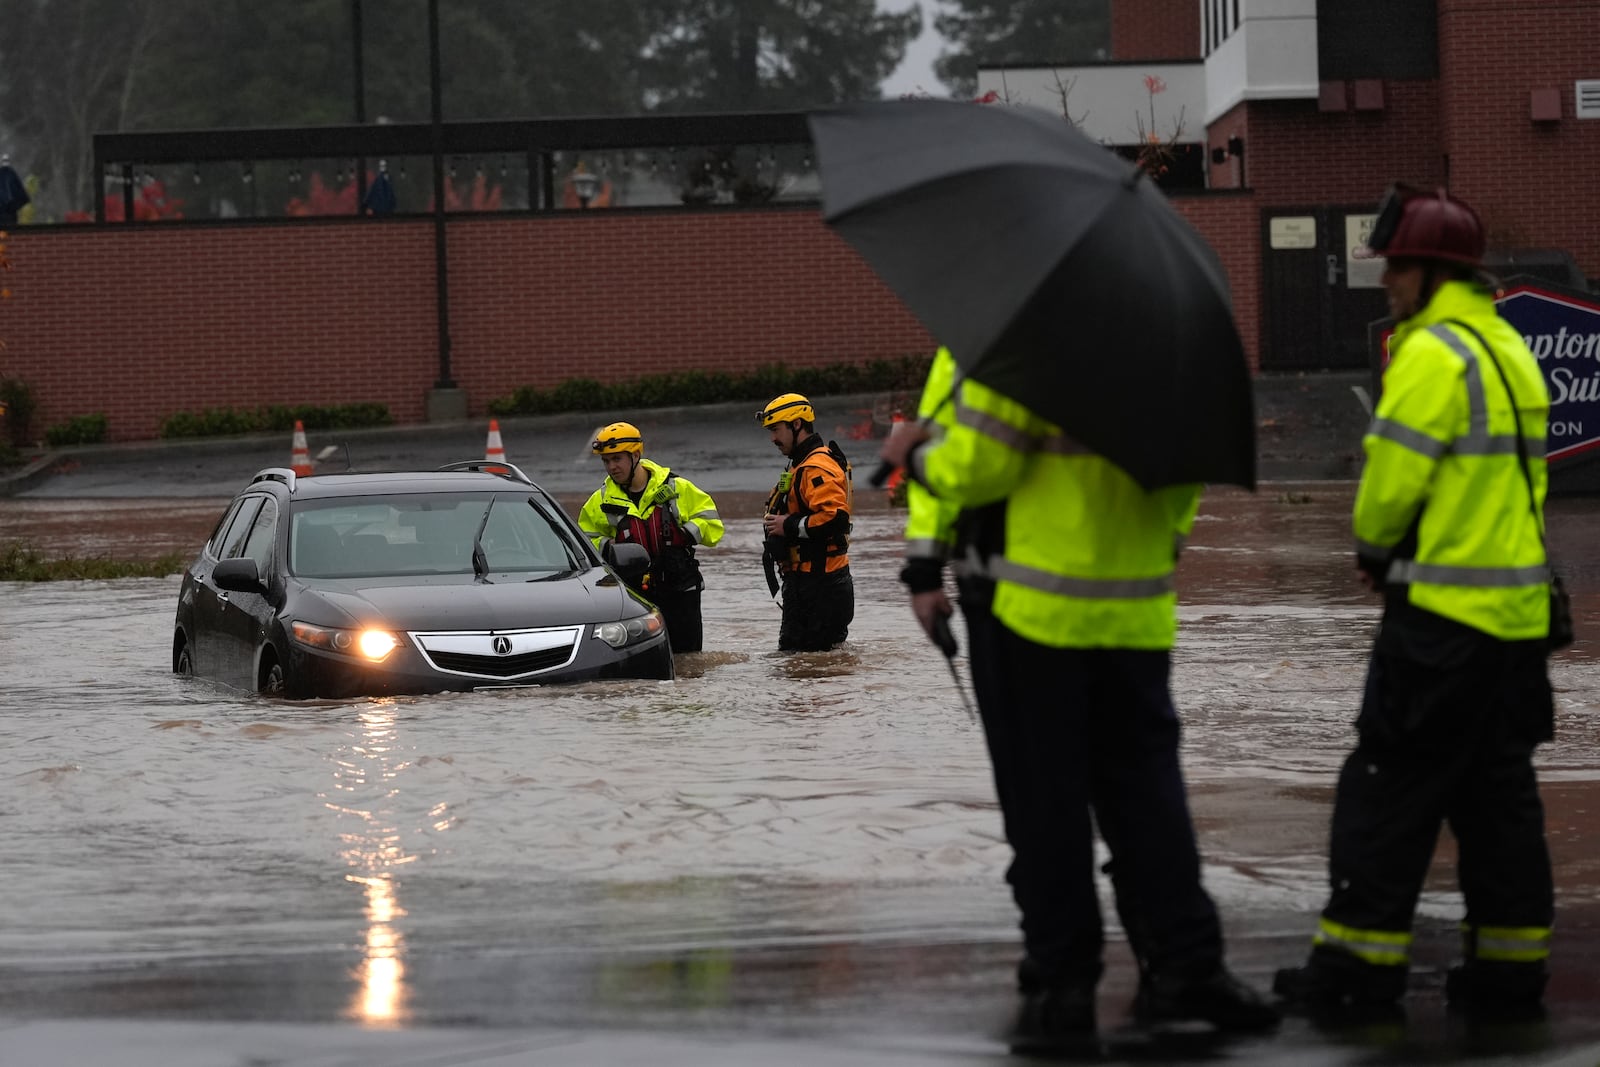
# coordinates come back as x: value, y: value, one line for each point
x: 1372, y: 571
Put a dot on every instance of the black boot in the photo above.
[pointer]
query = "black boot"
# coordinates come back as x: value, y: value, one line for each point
x: 1057, y: 1022
x: 1330, y: 992
x: 1496, y: 992
x: 1217, y: 998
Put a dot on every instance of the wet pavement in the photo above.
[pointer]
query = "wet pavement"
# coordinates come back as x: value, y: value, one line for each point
x: 790, y: 859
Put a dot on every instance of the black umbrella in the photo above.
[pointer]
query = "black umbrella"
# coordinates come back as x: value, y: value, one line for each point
x: 1055, y: 272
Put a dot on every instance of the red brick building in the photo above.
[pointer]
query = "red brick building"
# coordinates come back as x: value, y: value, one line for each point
x: 1301, y: 113
x: 1311, y: 109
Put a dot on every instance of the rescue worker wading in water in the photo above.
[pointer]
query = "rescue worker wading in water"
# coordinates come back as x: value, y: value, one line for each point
x: 647, y: 504
x: 808, y: 529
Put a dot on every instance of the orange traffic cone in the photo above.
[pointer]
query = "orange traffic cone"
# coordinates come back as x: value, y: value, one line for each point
x: 899, y: 474
x: 300, y: 457
x: 495, y: 451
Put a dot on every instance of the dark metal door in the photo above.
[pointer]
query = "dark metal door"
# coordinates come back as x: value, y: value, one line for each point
x: 1316, y: 300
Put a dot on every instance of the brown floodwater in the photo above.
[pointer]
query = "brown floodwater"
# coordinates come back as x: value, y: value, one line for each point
x: 768, y: 842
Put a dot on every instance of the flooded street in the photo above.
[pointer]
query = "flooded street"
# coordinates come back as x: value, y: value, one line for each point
x: 771, y: 844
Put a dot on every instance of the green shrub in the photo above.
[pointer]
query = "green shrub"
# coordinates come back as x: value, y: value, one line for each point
x: 219, y: 422
x: 21, y: 562
x: 699, y: 387
x: 78, y: 430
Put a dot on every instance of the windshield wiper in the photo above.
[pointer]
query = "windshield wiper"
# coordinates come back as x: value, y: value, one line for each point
x: 480, y: 561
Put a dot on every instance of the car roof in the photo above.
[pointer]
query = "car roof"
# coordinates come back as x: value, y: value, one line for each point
x: 458, y: 478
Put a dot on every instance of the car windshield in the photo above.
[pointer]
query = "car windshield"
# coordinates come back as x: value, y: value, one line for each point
x: 433, y: 533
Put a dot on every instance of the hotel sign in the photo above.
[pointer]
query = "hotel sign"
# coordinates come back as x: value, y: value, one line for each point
x: 1561, y: 327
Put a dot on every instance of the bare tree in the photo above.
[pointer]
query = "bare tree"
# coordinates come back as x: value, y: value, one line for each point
x: 72, y: 68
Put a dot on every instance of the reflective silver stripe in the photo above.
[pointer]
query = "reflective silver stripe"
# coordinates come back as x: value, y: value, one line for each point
x: 1478, y: 441
x: 1496, y: 445
x: 1004, y: 570
x: 1404, y: 571
x: 1367, y: 548
x: 1512, y: 949
x: 1059, y: 444
x: 927, y: 548
x: 997, y: 428
x: 1406, y: 437
x: 708, y: 514
x: 1380, y: 948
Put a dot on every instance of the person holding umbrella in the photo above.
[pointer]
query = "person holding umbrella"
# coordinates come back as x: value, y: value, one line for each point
x: 807, y: 526
x: 648, y: 504
x: 1068, y: 593
x: 1449, y: 526
x: 1110, y: 315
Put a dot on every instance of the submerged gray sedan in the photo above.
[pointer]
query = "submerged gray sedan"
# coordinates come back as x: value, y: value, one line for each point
x: 468, y: 577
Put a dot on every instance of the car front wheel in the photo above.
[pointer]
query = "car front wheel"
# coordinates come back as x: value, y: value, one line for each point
x: 183, y: 663
x: 273, y: 682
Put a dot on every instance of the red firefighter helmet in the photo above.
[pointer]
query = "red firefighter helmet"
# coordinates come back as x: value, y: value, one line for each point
x: 1416, y: 223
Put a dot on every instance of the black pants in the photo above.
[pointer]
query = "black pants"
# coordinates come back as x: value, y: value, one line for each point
x: 1443, y: 743
x: 818, y: 608
x: 1081, y: 738
x: 681, y: 611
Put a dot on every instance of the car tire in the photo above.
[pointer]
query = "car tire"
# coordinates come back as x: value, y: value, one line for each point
x: 274, y: 683
x: 183, y: 662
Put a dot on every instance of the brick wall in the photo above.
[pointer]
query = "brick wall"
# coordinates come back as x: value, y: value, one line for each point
x: 1533, y: 183
x: 141, y: 322
x: 1155, y: 29
x: 1230, y: 224
x: 1298, y: 155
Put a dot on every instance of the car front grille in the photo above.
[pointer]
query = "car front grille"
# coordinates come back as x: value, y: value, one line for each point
x: 501, y: 666
x: 499, y: 654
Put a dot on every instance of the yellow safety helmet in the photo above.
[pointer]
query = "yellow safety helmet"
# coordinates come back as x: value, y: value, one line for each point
x: 618, y: 437
x: 786, y: 408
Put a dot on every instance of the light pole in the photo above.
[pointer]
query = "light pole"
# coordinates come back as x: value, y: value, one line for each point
x: 358, y: 71
x: 440, y: 266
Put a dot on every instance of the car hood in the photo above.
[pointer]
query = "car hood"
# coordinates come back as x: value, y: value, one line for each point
x: 456, y: 602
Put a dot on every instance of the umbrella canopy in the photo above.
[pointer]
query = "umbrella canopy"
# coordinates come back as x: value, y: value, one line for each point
x: 1054, y: 272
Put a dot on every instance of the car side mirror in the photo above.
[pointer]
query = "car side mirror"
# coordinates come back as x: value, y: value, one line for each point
x: 628, y: 559
x: 239, y: 575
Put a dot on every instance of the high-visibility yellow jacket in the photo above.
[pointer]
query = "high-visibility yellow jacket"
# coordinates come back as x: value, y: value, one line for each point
x: 1088, y: 554
x: 1442, y: 458
x: 930, y: 520
x: 671, y: 517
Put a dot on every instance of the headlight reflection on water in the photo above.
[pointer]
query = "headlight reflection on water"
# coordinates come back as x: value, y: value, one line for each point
x: 373, y: 850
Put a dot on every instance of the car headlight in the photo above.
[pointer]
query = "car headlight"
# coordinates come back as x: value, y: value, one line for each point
x: 630, y: 631
x: 374, y: 645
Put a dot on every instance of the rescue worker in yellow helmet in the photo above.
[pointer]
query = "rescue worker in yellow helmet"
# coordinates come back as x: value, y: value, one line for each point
x: 1065, y: 569
x: 650, y: 505
x: 807, y: 527
x: 1449, y: 526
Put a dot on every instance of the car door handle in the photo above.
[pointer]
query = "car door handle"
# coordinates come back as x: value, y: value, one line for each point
x: 222, y: 597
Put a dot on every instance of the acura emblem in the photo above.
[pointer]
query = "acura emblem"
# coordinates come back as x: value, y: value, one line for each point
x: 502, y: 646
